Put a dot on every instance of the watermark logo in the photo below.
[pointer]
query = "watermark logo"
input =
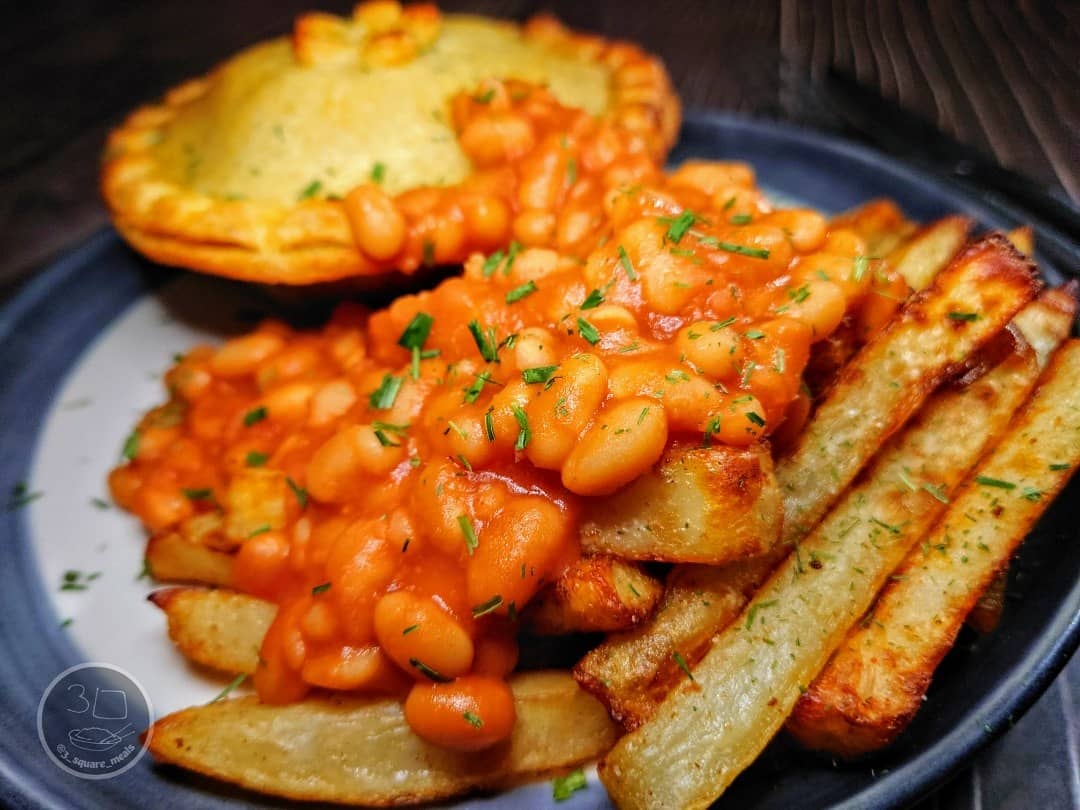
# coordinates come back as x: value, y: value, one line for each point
x: 90, y: 720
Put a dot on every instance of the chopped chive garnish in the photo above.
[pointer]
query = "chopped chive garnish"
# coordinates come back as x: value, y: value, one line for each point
x: 100, y: 503
x: 261, y: 530
x: 254, y: 416
x: 593, y: 300
x: 1032, y: 494
x: 300, y: 493
x: 473, y: 720
x: 755, y: 334
x: 624, y: 260
x: 1059, y: 467
x: 731, y: 247
x: 994, y: 482
x: 587, y: 331
x: 476, y: 387
x: 800, y: 294
x: 519, y: 292
x: 487, y: 607
x: 492, y: 262
x: 753, y: 612
x: 409, y: 629
x: 963, y: 316
x: 485, y: 341
x: 390, y: 427
x: 255, y: 459
x: 489, y: 425
x: 539, y: 374
x: 427, y: 671
x: 682, y: 664
x: 485, y: 97
x: 563, y: 787
x: 383, y: 397
x: 938, y: 491
x: 323, y: 588
x: 524, y: 434
x: 385, y: 440
x: 741, y: 219
x: 468, y: 532
x: 428, y: 257
x: 131, y: 445
x: 378, y: 172
x: 417, y: 331
x: 571, y: 172
x: 887, y: 526
x: 678, y: 226
x: 224, y: 693
x: 756, y: 419
x: 310, y: 190
x: 716, y: 327
x: 204, y: 494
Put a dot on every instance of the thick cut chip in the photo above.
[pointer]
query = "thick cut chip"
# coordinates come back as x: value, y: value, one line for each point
x: 715, y: 723
x: 699, y: 504
x: 171, y: 558
x: 357, y: 751
x: 222, y: 630
x: 874, y: 685
x: 930, y: 250
x: 882, y: 387
x: 597, y: 594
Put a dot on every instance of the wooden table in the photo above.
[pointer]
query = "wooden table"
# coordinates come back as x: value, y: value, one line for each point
x: 999, y: 77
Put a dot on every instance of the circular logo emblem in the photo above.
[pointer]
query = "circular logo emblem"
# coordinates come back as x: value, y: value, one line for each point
x: 90, y: 720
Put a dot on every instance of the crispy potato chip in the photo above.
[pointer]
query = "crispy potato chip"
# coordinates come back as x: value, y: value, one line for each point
x: 356, y: 751
x: 630, y: 672
x: 171, y: 558
x: 880, y: 223
x: 597, y: 594
x: 874, y: 685
x: 218, y: 629
x: 930, y: 250
x: 699, y: 504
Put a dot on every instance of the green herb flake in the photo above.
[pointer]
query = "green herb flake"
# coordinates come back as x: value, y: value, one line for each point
x: 323, y: 588
x: 487, y: 607
x: 1060, y: 467
x: 516, y: 294
x: 409, y: 629
x: 492, y: 262
x: 261, y: 530
x: 485, y: 97
x: 131, y: 446
x: 300, y: 493
x: 732, y: 247
x: 862, y: 264
x: 204, y: 494
x: 485, y: 341
x: 254, y: 416
x: 889, y: 527
x: 563, y: 787
x: 751, y: 614
x: 799, y: 294
x: 469, y: 533
x: 1032, y: 494
x: 682, y: 664
x: 678, y: 226
x: 310, y: 190
x: 754, y: 334
x: 756, y: 419
x: 224, y: 693
x: 384, y: 396
x: 473, y: 720
x: 255, y: 459
x: 378, y: 172
x: 489, y: 424
x: 624, y: 260
x: 587, y: 331
x: 524, y: 434
x: 938, y: 491
x: 417, y: 331
x: 571, y: 172
x: 538, y: 374
x: 476, y: 387
x: 963, y: 316
x: 100, y: 503
x: 21, y: 496
x: 385, y: 440
x: 994, y: 482
x: 593, y: 300
x: 427, y: 671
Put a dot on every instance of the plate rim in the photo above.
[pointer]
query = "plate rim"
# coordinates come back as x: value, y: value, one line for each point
x: 988, y: 718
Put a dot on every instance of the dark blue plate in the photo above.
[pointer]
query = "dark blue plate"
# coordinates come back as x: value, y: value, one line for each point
x: 981, y: 688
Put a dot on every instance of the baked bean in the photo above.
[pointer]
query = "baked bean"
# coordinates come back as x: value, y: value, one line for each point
x: 560, y: 412
x: 627, y: 438
x: 713, y: 346
x: 413, y: 628
x: 243, y: 355
x: 345, y: 458
x: 350, y: 668
x: 470, y: 714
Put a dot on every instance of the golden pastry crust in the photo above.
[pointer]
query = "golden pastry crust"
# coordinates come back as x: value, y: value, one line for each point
x: 354, y: 224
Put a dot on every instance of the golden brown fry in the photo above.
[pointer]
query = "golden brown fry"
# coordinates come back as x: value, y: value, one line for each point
x: 880, y: 223
x: 700, y: 504
x: 631, y: 672
x: 357, y: 751
x: 970, y: 301
x: 171, y: 558
x: 218, y: 629
x: 876, y: 681
x: 717, y: 720
x: 930, y: 250
x: 597, y: 594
